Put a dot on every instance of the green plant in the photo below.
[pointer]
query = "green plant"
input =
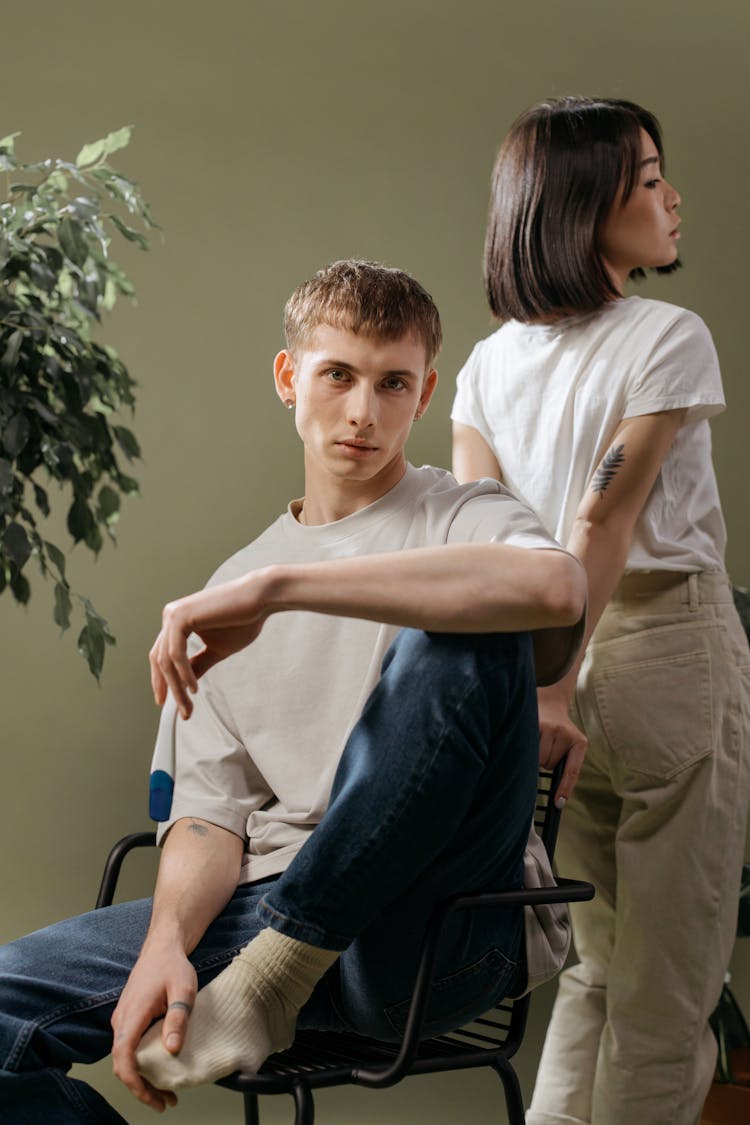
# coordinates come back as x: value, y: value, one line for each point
x: 59, y: 387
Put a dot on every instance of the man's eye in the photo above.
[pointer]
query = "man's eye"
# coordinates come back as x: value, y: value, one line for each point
x: 394, y: 383
x: 337, y: 376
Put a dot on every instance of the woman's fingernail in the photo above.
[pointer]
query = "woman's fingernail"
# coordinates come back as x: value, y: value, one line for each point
x: 173, y: 1041
x: 560, y: 803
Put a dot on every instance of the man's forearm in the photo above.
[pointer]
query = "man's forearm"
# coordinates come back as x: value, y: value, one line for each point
x: 198, y: 874
x: 466, y: 588
x: 461, y: 588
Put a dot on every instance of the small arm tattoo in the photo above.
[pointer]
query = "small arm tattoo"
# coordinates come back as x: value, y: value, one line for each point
x: 606, y: 472
x: 199, y: 829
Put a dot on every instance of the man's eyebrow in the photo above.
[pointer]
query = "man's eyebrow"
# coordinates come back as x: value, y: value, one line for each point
x: 344, y: 365
x: 324, y: 362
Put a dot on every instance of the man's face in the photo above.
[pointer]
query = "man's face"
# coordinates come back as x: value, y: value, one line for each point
x: 356, y: 399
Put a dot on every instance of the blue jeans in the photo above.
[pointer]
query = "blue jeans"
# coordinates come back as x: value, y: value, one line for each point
x: 434, y: 794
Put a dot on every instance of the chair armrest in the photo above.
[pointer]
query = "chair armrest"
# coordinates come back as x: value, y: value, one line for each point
x: 114, y: 863
x: 566, y: 890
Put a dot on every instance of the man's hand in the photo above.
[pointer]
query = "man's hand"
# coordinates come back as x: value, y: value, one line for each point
x: 558, y: 736
x: 162, y: 980
x: 227, y: 618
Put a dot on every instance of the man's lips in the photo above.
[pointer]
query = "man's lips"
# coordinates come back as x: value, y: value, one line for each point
x: 356, y: 444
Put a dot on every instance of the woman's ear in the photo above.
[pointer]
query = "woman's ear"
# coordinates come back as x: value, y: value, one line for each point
x: 283, y: 377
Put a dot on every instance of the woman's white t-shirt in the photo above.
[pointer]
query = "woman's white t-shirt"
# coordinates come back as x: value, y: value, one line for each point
x: 548, y: 398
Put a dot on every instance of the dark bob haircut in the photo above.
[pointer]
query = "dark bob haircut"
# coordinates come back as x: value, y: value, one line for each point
x: 556, y: 177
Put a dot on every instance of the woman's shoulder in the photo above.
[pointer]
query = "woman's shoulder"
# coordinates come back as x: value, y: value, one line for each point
x: 657, y: 316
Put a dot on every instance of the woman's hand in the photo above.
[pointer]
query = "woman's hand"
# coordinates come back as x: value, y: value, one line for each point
x: 559, y: 736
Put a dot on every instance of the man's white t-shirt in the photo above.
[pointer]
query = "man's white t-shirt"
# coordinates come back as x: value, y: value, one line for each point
x: 548, y: 398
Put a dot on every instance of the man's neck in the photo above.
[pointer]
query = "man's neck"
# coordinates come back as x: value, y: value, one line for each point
x: 333, y: 500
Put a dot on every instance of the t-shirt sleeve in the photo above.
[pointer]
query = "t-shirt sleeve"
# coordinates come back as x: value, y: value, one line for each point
x: 214, y: 776
x: 496, y: 516
x: 468, y: 408
x: 681, y: 370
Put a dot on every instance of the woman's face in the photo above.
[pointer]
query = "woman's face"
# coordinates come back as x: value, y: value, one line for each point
x: 644, y: 232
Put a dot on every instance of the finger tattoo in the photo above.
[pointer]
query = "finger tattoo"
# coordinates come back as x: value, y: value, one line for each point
x: 181, y: 1004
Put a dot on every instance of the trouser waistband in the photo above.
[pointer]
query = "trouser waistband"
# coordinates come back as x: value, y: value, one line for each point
x: 673, y: 588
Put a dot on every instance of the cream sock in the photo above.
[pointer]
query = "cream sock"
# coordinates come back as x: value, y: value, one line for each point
x: 245, y: 1014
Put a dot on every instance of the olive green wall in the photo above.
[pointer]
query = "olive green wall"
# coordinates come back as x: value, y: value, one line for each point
x: 273, y: 136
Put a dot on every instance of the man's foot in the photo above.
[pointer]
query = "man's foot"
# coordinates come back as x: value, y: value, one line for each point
x: 245, y: 1014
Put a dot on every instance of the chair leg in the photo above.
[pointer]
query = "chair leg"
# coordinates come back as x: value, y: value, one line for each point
x: 252, y: 1113
x: 512, y: 1087
x: 303, y: 1101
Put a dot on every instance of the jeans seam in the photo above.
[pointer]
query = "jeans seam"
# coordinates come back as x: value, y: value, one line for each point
x: 26, y: 1033
x: 71, y: 1093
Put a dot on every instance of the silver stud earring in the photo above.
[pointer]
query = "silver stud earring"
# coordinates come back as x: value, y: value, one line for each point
x: 289, y: 403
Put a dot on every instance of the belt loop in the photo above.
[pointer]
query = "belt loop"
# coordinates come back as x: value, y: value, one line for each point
x: 694, y: 599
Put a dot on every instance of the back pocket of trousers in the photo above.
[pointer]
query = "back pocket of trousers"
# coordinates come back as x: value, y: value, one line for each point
x: 656, y: 714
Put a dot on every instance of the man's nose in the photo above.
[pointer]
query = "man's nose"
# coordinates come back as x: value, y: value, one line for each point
x: 362, y: 407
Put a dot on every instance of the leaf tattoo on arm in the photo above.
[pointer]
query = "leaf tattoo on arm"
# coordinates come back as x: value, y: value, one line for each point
x: 607, y: 471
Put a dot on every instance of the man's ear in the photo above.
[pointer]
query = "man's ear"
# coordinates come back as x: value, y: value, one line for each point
x: 428, y: 387
x: 283, y: 376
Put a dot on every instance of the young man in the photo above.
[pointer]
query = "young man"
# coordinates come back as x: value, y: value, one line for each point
x: 356, y: 740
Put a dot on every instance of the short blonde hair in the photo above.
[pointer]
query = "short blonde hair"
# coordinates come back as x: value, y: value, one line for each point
x: 363, y: 297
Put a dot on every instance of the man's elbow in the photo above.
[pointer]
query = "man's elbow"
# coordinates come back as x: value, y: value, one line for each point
x: 565, y: 591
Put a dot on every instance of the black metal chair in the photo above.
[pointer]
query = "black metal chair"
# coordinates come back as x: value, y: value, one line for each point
x: 320, y: 1058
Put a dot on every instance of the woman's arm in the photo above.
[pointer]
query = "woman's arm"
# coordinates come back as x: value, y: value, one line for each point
x: 472, y: 456
x: 600, y: 538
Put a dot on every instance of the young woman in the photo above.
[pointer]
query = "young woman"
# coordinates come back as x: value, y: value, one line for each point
x: 592, y: 407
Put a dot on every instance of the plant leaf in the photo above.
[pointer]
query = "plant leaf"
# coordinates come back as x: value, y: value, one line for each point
x: 83, y: 209
x: 6, y: 476
x: 7, y: 143
x: 63, y: 606
x: 128, y: 232
x: 72, y: 240
x: 57, y: 558
x: 108, y: 508
x: 95, y: 151
x: 93, y: 638
x: 13, y: 347
x: 16, y: 543
x: 20, y: 587
x: 80, y: 519
x: 16, y: 434
x: 42, y: 499
x: 127, y: 442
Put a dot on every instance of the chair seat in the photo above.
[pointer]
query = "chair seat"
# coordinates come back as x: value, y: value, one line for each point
x: 328, y: 1058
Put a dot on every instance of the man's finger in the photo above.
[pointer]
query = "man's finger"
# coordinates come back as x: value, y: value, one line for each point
x: 202, y: 661
x: 123, y: 1065
x: 175, y: 1025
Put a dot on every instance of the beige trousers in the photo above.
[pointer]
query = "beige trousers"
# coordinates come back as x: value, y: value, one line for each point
x: 657, y: 823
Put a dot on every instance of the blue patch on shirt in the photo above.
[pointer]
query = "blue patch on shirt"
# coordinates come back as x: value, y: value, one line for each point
x: 160, y: 790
